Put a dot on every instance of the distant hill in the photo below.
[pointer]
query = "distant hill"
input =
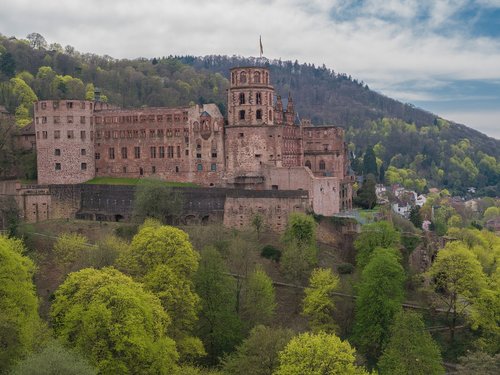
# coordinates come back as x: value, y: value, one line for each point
x: 413, y: 145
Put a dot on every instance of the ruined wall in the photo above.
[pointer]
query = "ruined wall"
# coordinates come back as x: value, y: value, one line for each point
x: 274, y: 206
x: 64, y: 141
x: 175, y: 144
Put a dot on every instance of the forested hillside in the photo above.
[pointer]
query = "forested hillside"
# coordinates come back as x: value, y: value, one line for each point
x: 420, y: 149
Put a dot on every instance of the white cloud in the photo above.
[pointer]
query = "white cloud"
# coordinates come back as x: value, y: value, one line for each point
x: 487, y: 122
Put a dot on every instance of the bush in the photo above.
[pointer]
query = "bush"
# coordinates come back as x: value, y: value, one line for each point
x: 345, y: 268
x: 270, y: 252
x: 127, y: 231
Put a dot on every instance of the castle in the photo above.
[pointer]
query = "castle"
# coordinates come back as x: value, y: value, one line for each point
x: 259, y: 146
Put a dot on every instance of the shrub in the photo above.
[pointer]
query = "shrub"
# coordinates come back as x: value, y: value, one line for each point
x: 345, y: 268
x: 270, y: 252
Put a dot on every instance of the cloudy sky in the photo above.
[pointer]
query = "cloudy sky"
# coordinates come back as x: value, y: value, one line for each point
x: 443, y: 55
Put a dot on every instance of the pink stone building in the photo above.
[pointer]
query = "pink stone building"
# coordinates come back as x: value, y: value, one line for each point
x: 260, y: 145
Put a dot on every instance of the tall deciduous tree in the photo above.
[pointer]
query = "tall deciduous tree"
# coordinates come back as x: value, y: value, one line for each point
x: 258, y: 303
x: 318, y: 354
x: 380, y: 294
x: 119, y: 326
x: 411, y: 349
x: 258, y: 354
x: 366, y: 195
x: 163, y: 258
x: 318, y: 305
x: 69, y: 247
x: 370, y: 163
x: 379, y: 234
x: 300, y: 252
x: 219, y: 325
x: 18, y: 303
x: 456, y: 279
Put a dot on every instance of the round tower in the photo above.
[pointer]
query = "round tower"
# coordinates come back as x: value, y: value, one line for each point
x: 250, y: 97
x: 64, y: 141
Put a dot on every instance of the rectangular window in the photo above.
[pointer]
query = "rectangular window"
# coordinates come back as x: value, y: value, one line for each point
x: 258, y: 98
x: 153, y: 152
x: 44, y: 105
x: 97, y: 156
x: 69, y: 119
x: 83, y: 135
x: 82, y: 105
x: 137, y: 152
x: 44, y: 134
x: 69, y: 105
x: 57, y: 152
x: 178, y: 151
x: 58, y: 166
x: 242, y: 114
x: 84, y: 166
x: 57, y: 119
x: 153, y: 169
x: 214, y: 154
x: 83, y: 152
x: 111, y: 153
x: 161, y: 152
x: 82, y: 119
x: 55, y: 104
x: 124, y: 153
x: 213, y: 167
x: 71, y: 134
x: 199, y: 167
x: 57, y: 134
x: 44, y: 120
x: 170, y: 152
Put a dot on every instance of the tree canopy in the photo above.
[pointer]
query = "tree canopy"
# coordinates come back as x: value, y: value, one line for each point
x: 119, y: 326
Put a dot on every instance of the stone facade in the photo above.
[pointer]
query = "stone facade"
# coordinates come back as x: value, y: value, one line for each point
x: 260, y: 145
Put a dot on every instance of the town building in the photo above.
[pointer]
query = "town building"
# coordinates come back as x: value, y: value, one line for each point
x: 260, y: 145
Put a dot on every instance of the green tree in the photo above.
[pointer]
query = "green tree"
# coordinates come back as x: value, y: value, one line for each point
x: 318, y: 305
x: 366, y: 196
x: 379, y: 234
x: 318, y: 354
x: 258, y: 223
x: 300, y: 252
x: 456, y: 279
x: 410, y: 349
x: 416, y: 217
x: 54, y: 359
x: 370, y: 163
x: 19, y: 319
x: 120, y: 327
x: 155, y: 199
x: 258, y: 302
x: 258, y: 354
x: 491, y: 212
x: 7, y: 65
x: 37, y: 41
x: 219, y: 325
x: 380, y: 294
x: 162, y: 257
x: 70, y: 247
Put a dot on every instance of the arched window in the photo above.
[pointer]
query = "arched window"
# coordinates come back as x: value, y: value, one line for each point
x: 243, y: 77
x: 242, y: 98
x: 258, y: 98
x: 258, y: 114
x: 270, y: 115
x: 322, y: 165
x: 308, y: 164
x: 256, y: 77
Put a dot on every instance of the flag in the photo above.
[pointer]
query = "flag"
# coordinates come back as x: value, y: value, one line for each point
x: 261, y: 49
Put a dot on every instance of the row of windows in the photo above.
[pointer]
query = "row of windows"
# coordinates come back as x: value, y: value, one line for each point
x: 70, y: 134
x: 258, y: 98
x: 258, y: 114
x: 69, y: 105
x: 322, y: 165
x: 199, y: 168
x: 243, y: 77
x: 83, y: 166
x: 142, y: 133
x: 57, y: 119
x: 57, y: 152
x: 131, y: 119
